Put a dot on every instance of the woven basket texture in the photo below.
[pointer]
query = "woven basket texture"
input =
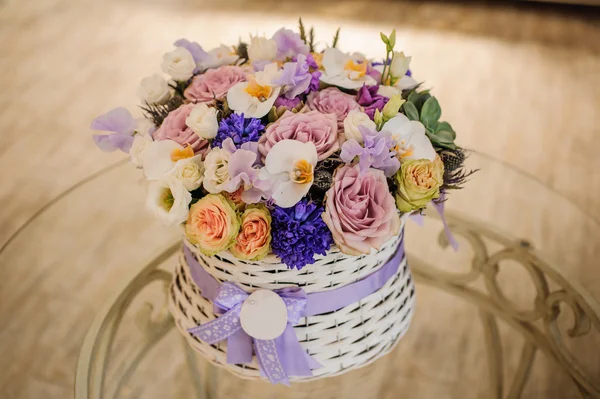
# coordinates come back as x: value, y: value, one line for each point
x: 340, y: 341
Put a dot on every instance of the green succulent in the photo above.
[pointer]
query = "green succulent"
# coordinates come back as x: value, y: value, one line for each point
x: 423, y: 107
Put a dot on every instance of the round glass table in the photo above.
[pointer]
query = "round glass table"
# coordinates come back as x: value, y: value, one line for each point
x: 513, y: 313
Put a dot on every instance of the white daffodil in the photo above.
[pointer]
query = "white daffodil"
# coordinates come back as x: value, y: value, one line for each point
x: 290, y: 164
x: 411, y: 140
x: 343, y: 70
x: 222, y: 55
x: 169, y: 201
x: 255, y: 97
x: 203, y: 121
x: 160, y: 157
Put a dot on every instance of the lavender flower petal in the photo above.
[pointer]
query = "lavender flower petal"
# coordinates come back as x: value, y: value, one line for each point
x: 118, y: 120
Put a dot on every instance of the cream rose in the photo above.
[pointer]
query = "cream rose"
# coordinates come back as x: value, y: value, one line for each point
x: 355, y: 119
x: 179, y: 64
x: 262, y: 49
x: 140, y: 144
x: 190, y: 172
x: 203, y: 121
x: 216, y: 170
x: 154, y: 90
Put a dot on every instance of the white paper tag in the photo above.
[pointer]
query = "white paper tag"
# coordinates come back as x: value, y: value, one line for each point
x: 263, y: 315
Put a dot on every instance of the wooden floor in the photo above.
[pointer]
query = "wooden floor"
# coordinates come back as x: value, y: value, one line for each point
x: 520, y: 83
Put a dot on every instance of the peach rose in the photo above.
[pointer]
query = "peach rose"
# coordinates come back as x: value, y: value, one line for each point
x: 212, y: 224
x: 254, y: 239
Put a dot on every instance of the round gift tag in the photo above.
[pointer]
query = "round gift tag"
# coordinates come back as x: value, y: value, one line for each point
x: 263, y: 315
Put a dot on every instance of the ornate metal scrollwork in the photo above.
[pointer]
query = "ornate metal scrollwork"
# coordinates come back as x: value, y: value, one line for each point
x: 153, y: 323
x: 539, y: 324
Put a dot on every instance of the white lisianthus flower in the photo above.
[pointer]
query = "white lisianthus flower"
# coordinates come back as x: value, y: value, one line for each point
x: 411, y: 141
x: 216, y: 170
x: 190, y: 172
x: 154, y: 89
x: 262, y: 49
x: 388, y: 91
x: 399, y: 65
x: 160, y: 158
x: 353, y: 120
x: 169, y: 201
x: 255, y: 97
x: 290, y: 165
x: 203, y: 121
x: 222, y: 55
x: 179, y: 64
x: 140, y: 144
x: 346, y: 71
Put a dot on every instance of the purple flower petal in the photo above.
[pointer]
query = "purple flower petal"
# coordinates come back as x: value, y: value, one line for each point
x: 113, y: 142
x: 289, y: 44
x: 194, y: 48
x: 118, y: 120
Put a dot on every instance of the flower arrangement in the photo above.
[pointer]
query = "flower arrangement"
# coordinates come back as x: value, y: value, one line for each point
x: 275, y: 146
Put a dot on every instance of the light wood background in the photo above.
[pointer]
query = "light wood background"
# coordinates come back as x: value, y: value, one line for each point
x: 520, y: 83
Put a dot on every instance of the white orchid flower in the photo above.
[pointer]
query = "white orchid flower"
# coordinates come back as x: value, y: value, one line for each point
x: 411, y: 141
x: 161, y: 156
x: 291, y: 165
x: 346, y: 71
x: 255, y: 97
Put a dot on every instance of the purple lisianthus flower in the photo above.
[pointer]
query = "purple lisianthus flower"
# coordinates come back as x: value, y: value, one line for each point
x: 282, y: 101
x: 243, y: 173
x: 375, y: 151
x: 299, y: 233
x: 289, y: 44
x: 295, y: 77
x: 121, y: 123
x: 239, y: 130
x: 370, y: 100
x: 198, y: 53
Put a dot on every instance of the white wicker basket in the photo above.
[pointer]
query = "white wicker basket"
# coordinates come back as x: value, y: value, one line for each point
x: 346, y: 339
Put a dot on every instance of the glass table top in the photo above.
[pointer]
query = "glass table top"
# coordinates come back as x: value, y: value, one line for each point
x: 94, y: 252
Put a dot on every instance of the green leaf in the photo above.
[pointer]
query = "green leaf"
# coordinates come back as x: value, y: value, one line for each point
x: 393, y: 38
x: 384, y: 38
x: 336, y: 38
x: 431, y: 110
x: 445, y: 127
x: 302, y: 30
x: 410, y: 111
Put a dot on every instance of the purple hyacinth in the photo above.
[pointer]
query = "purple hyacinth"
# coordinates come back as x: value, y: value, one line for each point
x: 298, y: 233
x: 375, y: 151
x: 370, y: 100
x: 240, y: 130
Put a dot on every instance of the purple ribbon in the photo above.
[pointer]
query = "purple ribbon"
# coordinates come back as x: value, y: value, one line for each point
x: 417, y: 217
x: 282, y: 357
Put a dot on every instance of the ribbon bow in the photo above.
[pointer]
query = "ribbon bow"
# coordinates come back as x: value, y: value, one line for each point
x: 278, y: 358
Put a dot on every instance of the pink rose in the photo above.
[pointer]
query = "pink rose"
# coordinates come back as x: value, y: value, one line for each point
x: 174, y: 128
x: 320, y: 129
x: 333, y: 101
x: 360, y: 211
x: 214, y: 83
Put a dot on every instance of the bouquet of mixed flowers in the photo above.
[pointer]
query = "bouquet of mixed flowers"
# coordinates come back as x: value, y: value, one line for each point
x: 275, y: 146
